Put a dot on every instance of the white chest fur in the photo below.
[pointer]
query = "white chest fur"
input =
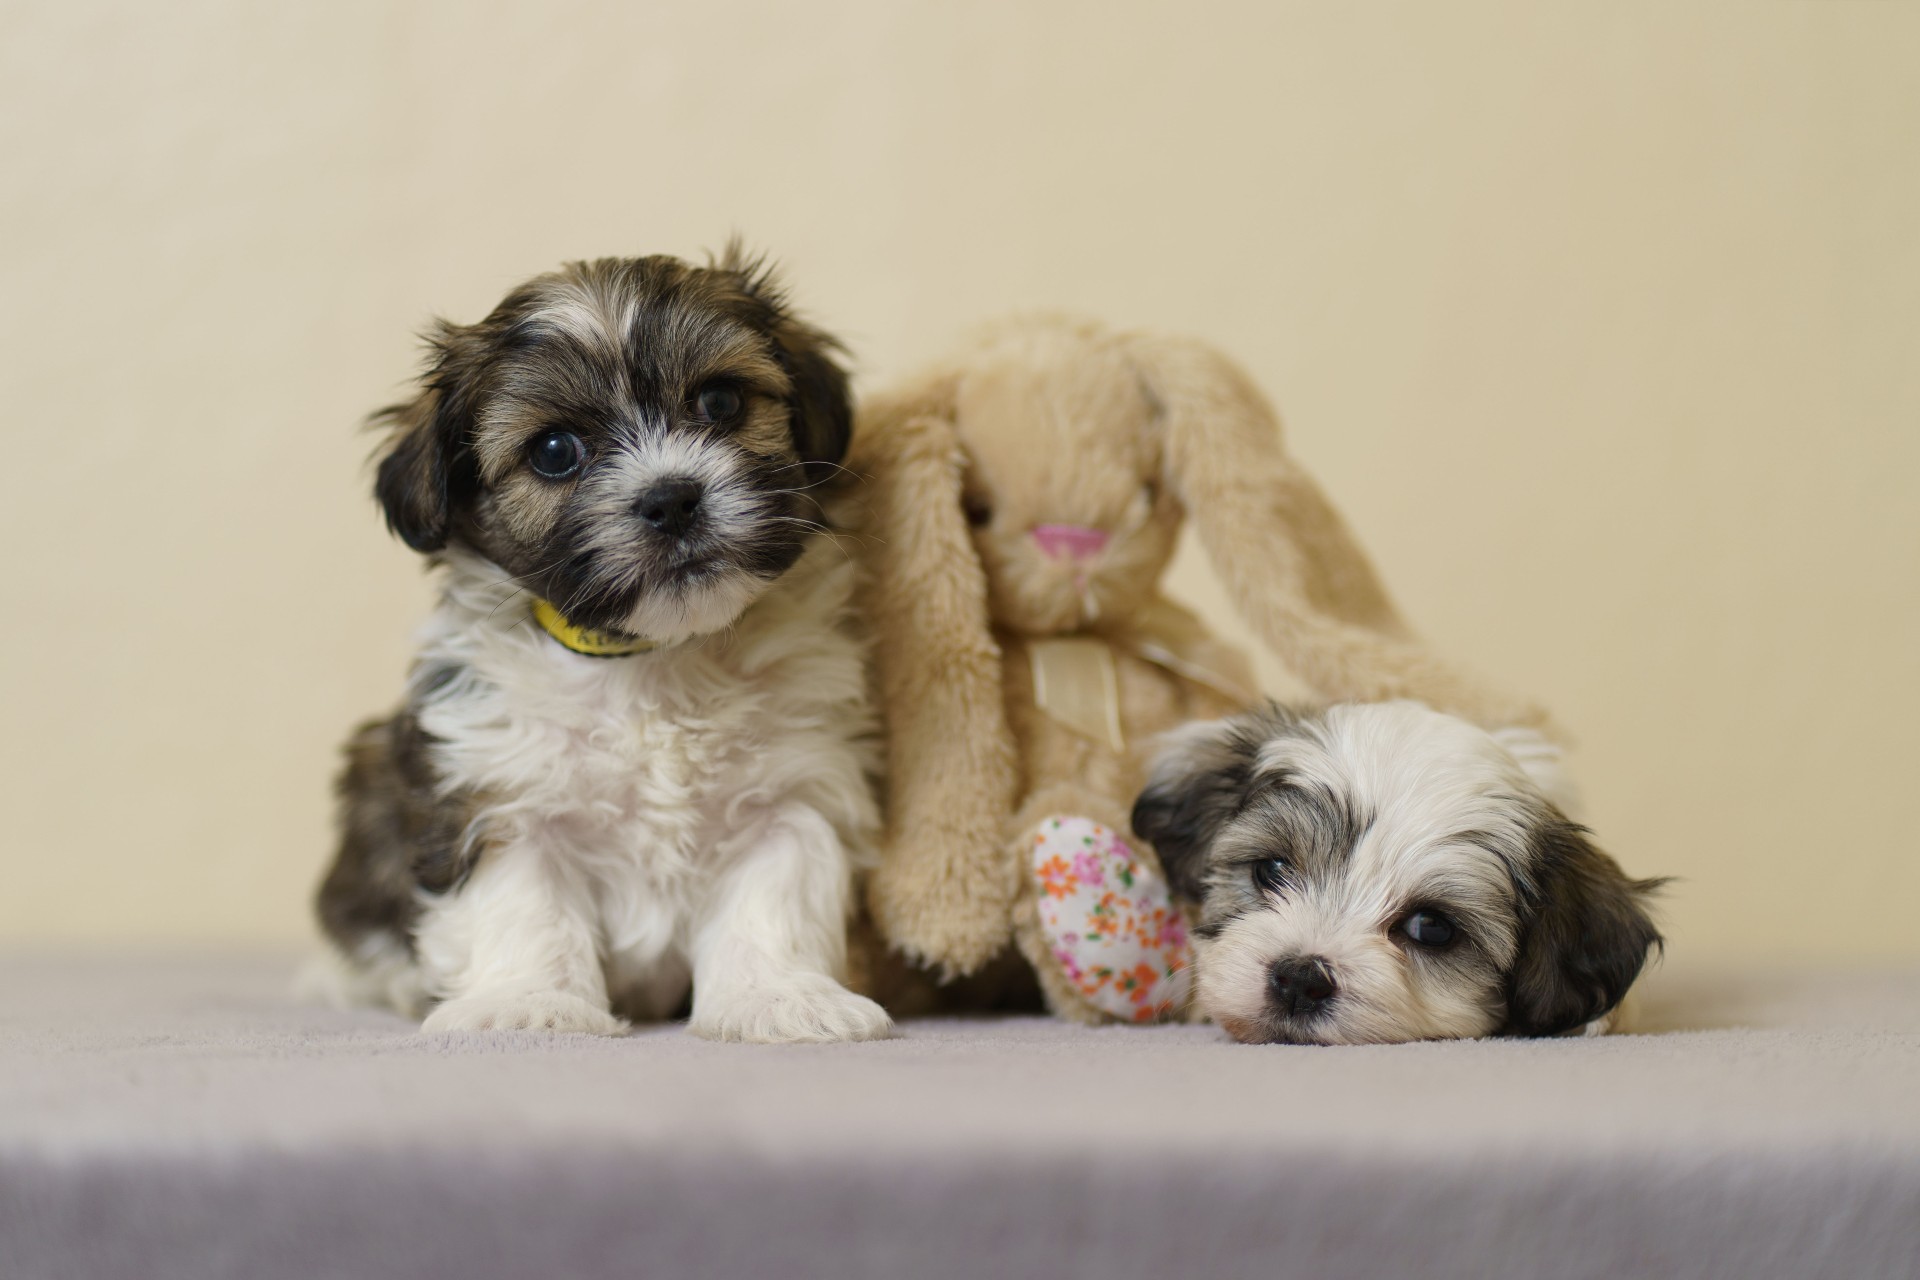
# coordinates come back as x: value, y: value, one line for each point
x: 625, y: 794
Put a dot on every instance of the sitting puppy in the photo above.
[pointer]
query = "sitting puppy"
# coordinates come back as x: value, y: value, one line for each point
x: 636, y: 749
x: 1382, y: 872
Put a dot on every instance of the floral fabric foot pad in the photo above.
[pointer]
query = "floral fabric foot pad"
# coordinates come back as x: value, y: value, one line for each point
x: 1110, y: 922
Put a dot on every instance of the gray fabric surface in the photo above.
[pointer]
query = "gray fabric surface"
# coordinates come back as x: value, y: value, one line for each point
x: 185, y: 1118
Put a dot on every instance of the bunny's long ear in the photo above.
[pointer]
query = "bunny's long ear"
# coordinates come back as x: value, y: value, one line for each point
x: 944, y: 891
x: 1294, y: 570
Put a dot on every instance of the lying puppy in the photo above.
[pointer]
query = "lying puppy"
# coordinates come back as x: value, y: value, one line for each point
x: 1382, y: 872
x: 635, y: 751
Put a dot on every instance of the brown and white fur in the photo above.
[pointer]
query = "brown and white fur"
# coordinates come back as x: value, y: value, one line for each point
x: 541, y: 839
x: 1380, y: 872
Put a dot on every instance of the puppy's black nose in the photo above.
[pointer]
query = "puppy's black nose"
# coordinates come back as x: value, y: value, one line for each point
x: 1299, y: 986
x: 671, y: 506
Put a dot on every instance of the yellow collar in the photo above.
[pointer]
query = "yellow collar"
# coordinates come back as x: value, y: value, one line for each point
x: 595, y: 644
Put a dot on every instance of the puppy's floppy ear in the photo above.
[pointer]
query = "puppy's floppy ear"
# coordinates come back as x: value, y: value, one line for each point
x: 425, y: 464
x: 1287, y: 558
x: 1198, y: 780
x: 1584, y: 937
x: 820, y: 406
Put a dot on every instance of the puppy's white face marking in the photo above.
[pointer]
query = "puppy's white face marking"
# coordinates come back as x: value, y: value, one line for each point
x: 694, y: 592
x: 590, y: 316
x: 1369, y: 875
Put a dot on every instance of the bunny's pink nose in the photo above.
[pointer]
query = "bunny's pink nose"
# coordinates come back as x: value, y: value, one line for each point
x: 1069, y: 541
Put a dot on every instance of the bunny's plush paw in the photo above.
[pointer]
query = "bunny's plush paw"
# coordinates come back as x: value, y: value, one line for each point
x: 936, y: 922
x: 1110, y: 921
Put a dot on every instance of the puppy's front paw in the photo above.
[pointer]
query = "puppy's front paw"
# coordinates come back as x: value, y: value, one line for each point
x: 553, y: 1011
x: 801, y: 1008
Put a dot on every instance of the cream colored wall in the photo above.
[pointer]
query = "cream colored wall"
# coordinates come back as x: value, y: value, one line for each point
x: 1602, y: 322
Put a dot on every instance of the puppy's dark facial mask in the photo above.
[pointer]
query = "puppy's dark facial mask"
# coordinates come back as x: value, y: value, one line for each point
x: 637, y: 441
x: 1384, y: 873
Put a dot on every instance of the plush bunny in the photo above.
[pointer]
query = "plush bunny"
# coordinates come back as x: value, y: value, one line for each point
x: 1024, y: 499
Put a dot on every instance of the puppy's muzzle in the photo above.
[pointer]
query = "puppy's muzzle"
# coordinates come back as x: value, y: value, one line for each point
x: 670, y: 507
x: 1300, y: 986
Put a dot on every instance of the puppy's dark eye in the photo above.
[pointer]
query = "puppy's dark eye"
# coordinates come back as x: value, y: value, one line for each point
x: 1429, y: 928
x: 556, y: 454
x: 979, y: 511
x: 717, y: 403
x: 1271, y: 874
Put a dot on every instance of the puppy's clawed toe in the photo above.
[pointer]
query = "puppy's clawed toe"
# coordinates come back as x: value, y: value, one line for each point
x: 552, y: 1011
x: 797, y: 1009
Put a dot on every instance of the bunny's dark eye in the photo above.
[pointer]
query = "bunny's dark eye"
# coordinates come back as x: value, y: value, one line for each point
x: 718, y: 403
x: 1270, y: 874
x: 1429, y: 928
x: 979, y: 511
x: 555, y: 455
